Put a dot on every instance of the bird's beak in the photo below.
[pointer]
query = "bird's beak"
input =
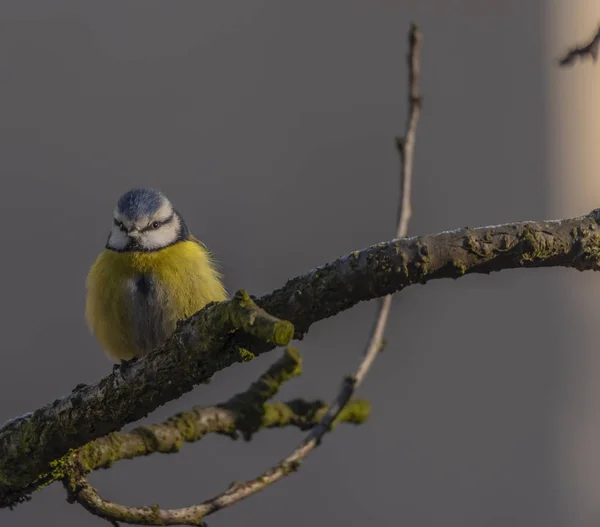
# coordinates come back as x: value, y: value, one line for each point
x: 133, y: 233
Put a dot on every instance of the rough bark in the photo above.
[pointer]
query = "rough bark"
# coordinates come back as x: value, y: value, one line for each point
x: 237, y: 330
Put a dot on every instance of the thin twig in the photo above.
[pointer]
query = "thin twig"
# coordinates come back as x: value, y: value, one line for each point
x: 590, y: 49
x: 406, y: 145
x: 406, y: 149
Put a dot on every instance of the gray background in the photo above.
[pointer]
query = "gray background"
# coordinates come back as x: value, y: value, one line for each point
x: 270, y: 125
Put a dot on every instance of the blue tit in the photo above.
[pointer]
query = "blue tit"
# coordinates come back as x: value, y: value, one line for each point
x: 151, y: 274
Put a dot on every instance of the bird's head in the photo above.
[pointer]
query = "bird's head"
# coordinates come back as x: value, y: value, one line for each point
x: 145, y: 220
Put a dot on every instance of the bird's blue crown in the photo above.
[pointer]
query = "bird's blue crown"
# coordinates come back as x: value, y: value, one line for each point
x: 140, y: 202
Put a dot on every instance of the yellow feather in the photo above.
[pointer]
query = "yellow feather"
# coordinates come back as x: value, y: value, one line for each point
x: 186, y: 280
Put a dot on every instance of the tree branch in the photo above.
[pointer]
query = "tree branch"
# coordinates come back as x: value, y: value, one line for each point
x: 210, y: 341
x: 246, y: 413
x: 590, y: 49
x: 406, y: 144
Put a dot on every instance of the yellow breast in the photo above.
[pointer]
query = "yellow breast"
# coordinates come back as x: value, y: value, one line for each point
x: 127, y: 319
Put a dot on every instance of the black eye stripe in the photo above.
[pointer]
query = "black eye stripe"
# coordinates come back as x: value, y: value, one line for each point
x: 151, y: 227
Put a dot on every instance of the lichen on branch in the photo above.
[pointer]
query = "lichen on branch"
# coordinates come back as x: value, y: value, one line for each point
x: 245, y: 413
x: 212, y: 339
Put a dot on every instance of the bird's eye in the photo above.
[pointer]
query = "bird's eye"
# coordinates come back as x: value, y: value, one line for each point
x: 119, y: 224
x: 155, y: 224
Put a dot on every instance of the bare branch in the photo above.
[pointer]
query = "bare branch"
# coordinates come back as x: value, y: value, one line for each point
x: 406, y: 145
x: 590, y: 49
x: 208, y: 342
x: 245, y: 413
x: 406, y: 149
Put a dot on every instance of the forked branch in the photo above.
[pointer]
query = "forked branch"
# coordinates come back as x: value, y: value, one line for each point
x: 245, y: 413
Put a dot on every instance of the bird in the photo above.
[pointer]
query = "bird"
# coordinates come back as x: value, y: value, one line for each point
x: 151, y: 274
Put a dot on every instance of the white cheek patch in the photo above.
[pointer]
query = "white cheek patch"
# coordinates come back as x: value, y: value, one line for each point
x: 118, y: 239
x: 161, y: 237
